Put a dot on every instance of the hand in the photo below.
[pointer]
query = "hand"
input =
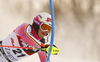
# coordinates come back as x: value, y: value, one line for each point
x: 55, y: 50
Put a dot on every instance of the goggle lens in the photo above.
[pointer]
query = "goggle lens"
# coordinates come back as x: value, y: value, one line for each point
x: 45, y: 27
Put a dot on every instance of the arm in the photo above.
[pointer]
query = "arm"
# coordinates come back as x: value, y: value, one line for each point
x: 42, y: 56
x: 43, y: 53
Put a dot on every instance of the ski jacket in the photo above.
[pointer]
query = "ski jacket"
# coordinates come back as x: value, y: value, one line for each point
x: 22, y: 37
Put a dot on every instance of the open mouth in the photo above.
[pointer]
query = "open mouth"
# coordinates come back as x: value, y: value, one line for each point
x: 44, y: 33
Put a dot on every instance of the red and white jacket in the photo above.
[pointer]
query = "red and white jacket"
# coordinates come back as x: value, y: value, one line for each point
x: 22, y: 37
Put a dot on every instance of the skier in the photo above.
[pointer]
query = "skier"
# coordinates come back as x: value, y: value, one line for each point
x: 27, y: 35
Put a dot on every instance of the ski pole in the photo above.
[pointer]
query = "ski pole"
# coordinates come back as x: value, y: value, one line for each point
x: 16, y: 47
x: 54, y: 50
x: 24, y: 47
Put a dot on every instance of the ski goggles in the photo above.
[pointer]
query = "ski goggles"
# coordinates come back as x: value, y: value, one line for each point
x: 45, y: 27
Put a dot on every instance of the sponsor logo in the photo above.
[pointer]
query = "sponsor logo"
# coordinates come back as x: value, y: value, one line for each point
x: 12, y: 40
x: 48, y: 20
x: 9, y: 55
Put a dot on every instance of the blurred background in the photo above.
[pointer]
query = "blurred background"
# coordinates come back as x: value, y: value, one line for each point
x: 77, y: 26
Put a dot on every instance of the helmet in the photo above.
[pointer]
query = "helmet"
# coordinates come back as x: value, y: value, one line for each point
x: 43, y: 20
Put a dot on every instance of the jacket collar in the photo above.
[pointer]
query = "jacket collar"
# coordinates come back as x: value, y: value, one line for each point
x: 35, y: 34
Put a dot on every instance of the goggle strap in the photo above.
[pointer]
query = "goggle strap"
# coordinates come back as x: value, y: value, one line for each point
x: 37, y: 22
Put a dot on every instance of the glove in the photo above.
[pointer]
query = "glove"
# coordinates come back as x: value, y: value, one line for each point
x: 54, y: 51
x: 49, y: 45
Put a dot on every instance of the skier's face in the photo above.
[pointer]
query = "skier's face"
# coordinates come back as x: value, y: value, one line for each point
x: 41, y: 33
